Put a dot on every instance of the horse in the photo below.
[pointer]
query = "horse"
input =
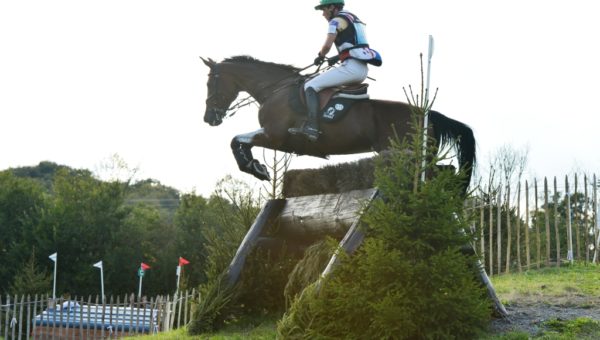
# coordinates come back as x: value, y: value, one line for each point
x: 367, y: 126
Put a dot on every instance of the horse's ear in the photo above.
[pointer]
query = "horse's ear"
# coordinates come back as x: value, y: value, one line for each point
x: 210, y: 63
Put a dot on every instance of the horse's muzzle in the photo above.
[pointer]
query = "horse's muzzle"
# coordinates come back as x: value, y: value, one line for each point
x: 214, y: 117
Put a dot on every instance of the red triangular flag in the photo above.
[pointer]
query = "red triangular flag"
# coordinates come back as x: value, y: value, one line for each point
x: 183, y: 261
x: 145, y: 266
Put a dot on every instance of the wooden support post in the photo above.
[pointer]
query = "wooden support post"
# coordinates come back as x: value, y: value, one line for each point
x: 351, y: 241
x: 270, y: 210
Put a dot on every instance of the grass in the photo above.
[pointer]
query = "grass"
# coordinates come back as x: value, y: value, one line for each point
x: 538, y: 286
x: 554, y: 283
x: 254, y: 328
x: 569, y: 285
x: 580, y: 328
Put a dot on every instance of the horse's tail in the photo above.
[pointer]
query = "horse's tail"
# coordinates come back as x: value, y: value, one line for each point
x: 448, y: 131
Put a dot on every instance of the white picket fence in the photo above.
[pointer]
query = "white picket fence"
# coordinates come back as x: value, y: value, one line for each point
x: 41, y: 317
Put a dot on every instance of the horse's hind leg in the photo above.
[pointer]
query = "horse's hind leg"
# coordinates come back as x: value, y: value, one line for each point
x: 241, y: 145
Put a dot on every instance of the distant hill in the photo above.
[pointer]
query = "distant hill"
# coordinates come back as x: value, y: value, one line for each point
x: 148, y: 191
x: 43, y: 172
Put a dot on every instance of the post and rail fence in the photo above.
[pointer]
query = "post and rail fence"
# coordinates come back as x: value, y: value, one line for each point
x: 41, y: 317
x: 542, y: 223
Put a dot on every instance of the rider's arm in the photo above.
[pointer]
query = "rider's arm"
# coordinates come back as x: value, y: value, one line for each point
x: 327, y: 45
x: 335, y: 25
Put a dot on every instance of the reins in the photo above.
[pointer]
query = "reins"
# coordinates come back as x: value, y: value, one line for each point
x: 238, y: 104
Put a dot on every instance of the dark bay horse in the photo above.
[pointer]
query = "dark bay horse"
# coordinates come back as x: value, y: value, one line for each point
x: 367, y: 126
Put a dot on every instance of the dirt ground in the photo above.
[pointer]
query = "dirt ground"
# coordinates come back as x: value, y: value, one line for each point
x: 527, y: 314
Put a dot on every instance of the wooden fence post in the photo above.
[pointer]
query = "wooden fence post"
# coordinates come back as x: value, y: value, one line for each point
x: 491, y: 232
x: 596, y: 218
x: 586, y: 224
x: 499, y: 229
x: 538, y: 240
x: 569, y: 230
x: 28, y: 317
x: 14, y: 315
x: 508, y: 230
x: 576, y: 222
x: 518, y: 226
x: 527, y: 253
x: 481, y: 233
x: 556, y: 224
x: 547, y: 221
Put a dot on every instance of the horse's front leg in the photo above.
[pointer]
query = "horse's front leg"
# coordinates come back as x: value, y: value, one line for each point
x: 241, y: 145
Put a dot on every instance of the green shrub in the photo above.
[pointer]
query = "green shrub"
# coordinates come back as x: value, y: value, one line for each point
x: 409, y: 279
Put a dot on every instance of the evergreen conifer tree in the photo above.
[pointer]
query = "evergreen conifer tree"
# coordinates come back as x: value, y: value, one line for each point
x: 409, y: 279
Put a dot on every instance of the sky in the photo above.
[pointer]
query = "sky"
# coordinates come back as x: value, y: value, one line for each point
x: 82, y: 81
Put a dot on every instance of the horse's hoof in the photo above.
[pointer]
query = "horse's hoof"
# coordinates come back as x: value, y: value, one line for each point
x: 259, y: 170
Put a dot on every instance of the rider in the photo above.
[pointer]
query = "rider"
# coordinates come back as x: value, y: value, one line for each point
x: 348, y: 34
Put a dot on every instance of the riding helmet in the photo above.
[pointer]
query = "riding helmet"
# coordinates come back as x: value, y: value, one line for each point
x: 324, y: 3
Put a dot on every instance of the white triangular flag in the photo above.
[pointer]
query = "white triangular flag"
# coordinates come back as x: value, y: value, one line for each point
x: 98, y: 265
x: 53, y: 257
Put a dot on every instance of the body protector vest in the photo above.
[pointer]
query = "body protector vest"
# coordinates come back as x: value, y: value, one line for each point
x: 352, y: 41
x: 353, y: 36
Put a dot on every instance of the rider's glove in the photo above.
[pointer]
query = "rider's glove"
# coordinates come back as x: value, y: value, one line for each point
x: 319, y: 60
x: 331, y: 61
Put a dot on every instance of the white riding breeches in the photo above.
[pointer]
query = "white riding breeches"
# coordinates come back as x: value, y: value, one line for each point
x: 351, y: 71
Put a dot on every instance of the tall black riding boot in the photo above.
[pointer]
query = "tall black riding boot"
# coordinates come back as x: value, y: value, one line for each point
x: 310, y: 128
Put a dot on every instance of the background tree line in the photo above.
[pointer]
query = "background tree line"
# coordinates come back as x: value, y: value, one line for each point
x: 52, y: 208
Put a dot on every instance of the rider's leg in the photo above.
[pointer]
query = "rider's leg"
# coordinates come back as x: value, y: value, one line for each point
x: 310, y: 128
x: 351, y: 71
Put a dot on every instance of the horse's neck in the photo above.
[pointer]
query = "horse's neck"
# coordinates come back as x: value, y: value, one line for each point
x: 261, y: 85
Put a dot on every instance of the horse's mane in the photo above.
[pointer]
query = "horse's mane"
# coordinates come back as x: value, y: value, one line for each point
x: 245, y: 59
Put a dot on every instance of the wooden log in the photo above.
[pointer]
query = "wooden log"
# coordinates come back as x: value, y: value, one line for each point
x: 309, y: 218
x: 269, y: 211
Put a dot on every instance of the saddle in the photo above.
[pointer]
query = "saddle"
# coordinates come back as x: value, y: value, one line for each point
x: 334, y: 102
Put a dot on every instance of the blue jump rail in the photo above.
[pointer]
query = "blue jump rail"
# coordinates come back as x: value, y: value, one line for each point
x: 118, y: 319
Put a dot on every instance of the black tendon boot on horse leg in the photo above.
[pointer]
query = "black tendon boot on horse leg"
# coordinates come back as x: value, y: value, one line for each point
x: 245, y: 161
x: 310, y: 128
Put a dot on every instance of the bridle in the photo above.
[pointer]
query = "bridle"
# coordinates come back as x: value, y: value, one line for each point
x: 215, y: 98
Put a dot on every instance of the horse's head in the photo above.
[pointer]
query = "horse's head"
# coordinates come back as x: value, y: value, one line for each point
x: 222, y: 91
